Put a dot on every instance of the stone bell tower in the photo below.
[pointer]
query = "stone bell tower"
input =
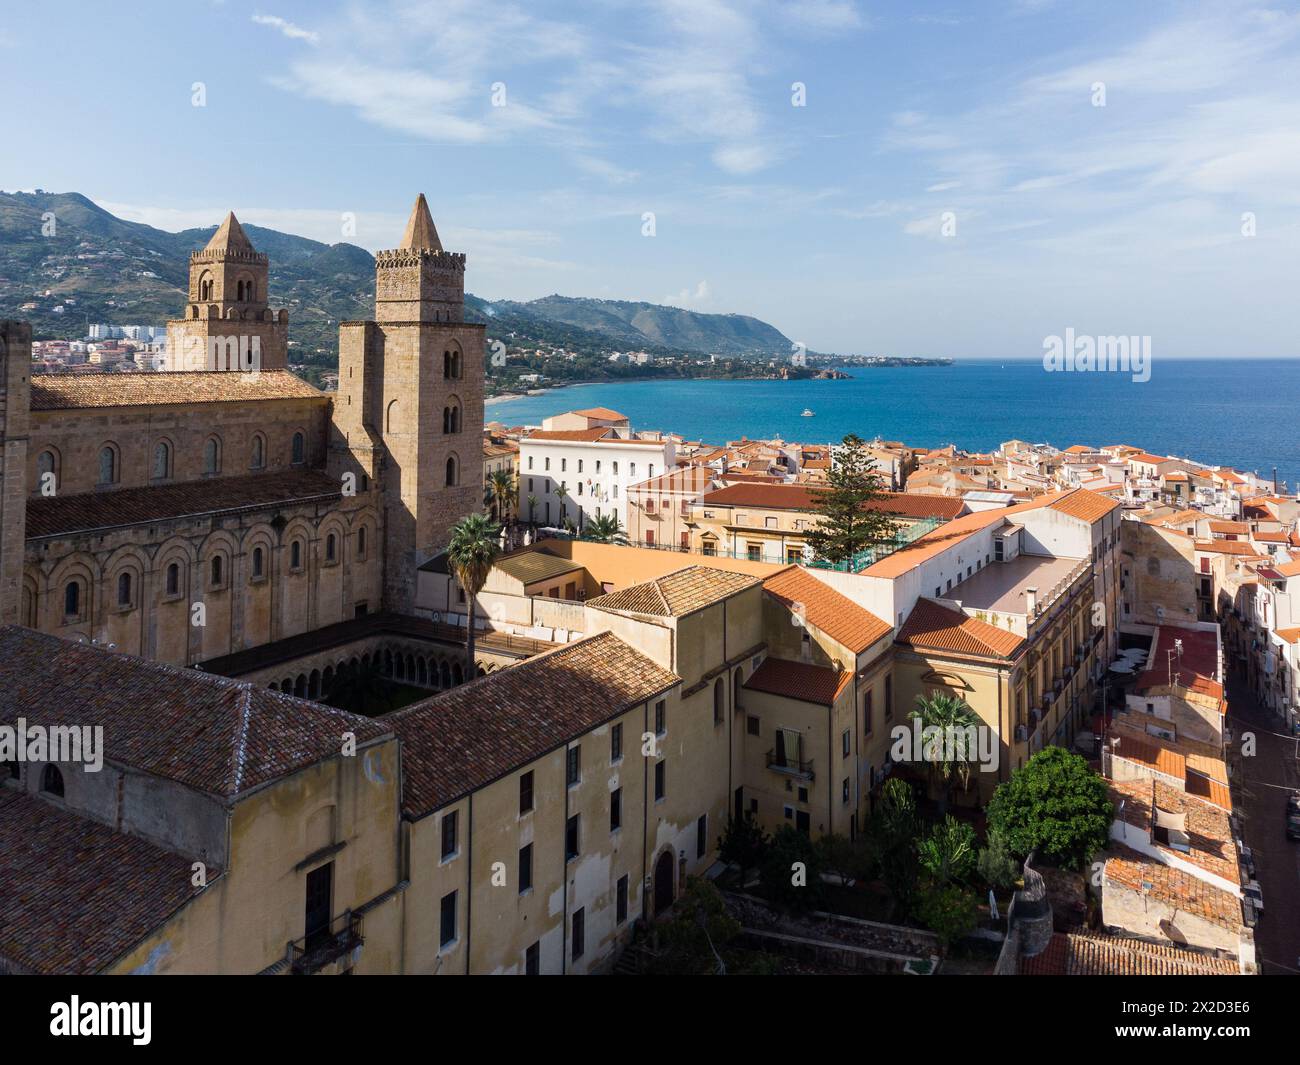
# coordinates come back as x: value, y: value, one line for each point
x: 15, y: 408
x: 228, y: 324
x: 409, y: 413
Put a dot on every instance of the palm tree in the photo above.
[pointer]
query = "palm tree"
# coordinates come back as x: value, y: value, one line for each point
x: 605, y: 529
x: 502, y: 487
x: 561, y: 493
x: 950, y: 753
x: 470, y: 553
x: 532, y: 510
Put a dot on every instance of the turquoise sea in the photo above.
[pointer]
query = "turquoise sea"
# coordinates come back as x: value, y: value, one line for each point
x: 1236, y: 412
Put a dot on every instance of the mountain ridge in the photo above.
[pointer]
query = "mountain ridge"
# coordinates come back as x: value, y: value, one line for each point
x: 101, y: 268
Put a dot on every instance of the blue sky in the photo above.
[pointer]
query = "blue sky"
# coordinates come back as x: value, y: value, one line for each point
x: 826, y: 220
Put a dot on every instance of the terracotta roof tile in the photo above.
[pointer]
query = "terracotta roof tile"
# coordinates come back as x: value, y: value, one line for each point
x: 1129, y: 869
x: 1085, y: 505
x: 799, y: 680
x: 676, y: 594
x: 74, y: 894
x: 934, y: 627
x: 59, y: 515
x: 604, y: 413
x: 68, y: 391
x: 474, y: 734
x: 834, y: 613
x: 1096, y: 954
x: 219, y: 736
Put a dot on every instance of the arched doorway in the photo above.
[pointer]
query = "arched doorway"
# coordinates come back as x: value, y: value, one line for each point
x: 664, y: 883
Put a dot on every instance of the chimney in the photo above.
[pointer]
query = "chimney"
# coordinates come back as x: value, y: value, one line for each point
x: 1031, y: 601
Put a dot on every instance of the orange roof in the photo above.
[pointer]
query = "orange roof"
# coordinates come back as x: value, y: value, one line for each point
x: 1289, y: 569
x: 799, y: 680
x: 1229, y: 527
x: 822, y: 606
x: 932, y: 626
x: 1085, y: 505
x: 1078, y: 449
x: 802, y: 497
x: 1289, y: 635
x: 1159, y: 758
x: 603, y: 413
x: 1266, y: 536
x: 1227, y: 547
x: 1149, y: 459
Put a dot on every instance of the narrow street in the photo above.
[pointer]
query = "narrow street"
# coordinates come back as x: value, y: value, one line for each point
x: 1261, y: 803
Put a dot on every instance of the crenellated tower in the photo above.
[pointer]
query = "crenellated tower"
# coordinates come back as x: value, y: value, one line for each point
x: 409, y: 412
x: 228, y: 323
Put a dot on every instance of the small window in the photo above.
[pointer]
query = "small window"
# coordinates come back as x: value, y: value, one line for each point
x: 845, y: 791
x: 701, y: 835
x: 161, y: 460
x: 579, y: 933
x: 616, y: 809
x: 616, y: 742
x: 620, y: 900
x: 124, y: 590
x: 846, y: 741
x: 526, y: 793
x: 295, y: 555
x: 217, y: 574
x: 72, y: 599
x: 449, y: 844
x: 447, y: 930
x: 571, y: 840
x: 299, y: 449
x: 719, y: 699
x: 361, y: 542
x: 525, y: 868
x: 258, y: 565
x: 107, y: 465
x: 211, y: 456
x: 173, y: 579
x: 573, y: 767
x: 751, y: 725
x: 660, y: 780
x: 52, y: 781
x: 258, y: 459
x: 331, y: 548
x: 661, y: 718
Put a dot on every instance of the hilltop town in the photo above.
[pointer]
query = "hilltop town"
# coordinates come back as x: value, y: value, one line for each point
x: 301, y: 681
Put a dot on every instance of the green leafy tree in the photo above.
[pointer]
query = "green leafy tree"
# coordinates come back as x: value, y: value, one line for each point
x: 696, y: 937
x: 743, y: 843
x: 893, y: 830
x: 948, y: 852
x: 951, y: 756
x: 996, y: 864
x: 949, y: 911
x: 605, y: 529
x: 532, y: 511
x: 470, y: 553
x: 850, y: 859
x: 562, y: 494
x: 1055, y: 805
x: 851, y: 520
x: 791, y: 871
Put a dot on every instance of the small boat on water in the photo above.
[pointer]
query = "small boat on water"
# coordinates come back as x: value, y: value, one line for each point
x: 806, y: 413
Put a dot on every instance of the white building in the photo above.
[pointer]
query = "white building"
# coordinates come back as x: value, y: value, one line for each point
x: 580, y: 464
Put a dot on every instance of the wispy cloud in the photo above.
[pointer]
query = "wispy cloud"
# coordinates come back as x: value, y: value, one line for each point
x: 289, y: 29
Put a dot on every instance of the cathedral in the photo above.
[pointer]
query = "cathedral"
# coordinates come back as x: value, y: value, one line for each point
x: 228, y: 505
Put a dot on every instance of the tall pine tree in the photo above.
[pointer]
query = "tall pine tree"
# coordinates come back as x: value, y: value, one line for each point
x: 849, y: 523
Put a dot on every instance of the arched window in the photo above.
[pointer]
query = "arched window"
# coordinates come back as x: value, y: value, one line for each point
x: 299, y: 449
x: 257, y: 562
x: 295, y: 555
x: 212, y: 455
x: 446, y: 364
x: 361, y: 542
x: 331, y: 547
x: 205, y: 287
x: 455, y: 365
x: 107, y: 465
x: 452, y: 472
x: 259, y: 453
x: 162, y: 460
x: 45, y: 471
x: 173, y: 579
x: 52, y: 781
x: 216, y: 571
x: 124, y: 589
x: 72, y: 599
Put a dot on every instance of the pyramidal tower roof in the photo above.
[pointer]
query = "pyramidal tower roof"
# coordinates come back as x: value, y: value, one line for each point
x: 420, y: 231
x: 229, y: 236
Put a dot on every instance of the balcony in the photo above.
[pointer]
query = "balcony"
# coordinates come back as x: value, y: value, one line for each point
x: 312, y: 953
x: 795, y: 767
